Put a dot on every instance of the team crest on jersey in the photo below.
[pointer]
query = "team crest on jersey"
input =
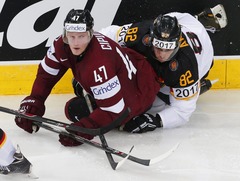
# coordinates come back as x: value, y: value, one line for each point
x: 145, y: 40
x: 173, y: 65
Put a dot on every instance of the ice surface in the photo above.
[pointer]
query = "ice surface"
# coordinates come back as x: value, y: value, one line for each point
x: 209, y: 146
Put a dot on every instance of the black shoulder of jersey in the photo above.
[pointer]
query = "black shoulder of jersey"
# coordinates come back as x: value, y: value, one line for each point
x: 137, y: 36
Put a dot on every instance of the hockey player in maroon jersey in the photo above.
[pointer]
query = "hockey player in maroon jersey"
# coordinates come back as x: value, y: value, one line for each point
x: 11, y: 159
x: 114, y: 76
x: 179, y: 49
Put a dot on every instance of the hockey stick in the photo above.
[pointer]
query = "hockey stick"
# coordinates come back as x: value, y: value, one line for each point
x: 114, y: 165
x: 89, y: 131
x: 145, y: 162
x: 102, y: 138
x: 94, y: 132
x: 39, y: 120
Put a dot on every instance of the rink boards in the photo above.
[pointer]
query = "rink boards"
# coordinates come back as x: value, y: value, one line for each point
x: 17, y: 78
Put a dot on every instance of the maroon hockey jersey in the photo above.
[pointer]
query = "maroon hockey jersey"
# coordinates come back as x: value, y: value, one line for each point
x: 117, y: 78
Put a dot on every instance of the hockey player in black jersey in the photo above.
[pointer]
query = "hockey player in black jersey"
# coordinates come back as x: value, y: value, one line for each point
x: 181, y: 53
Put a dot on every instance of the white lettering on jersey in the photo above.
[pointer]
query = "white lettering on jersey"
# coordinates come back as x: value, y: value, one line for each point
x: 185, y: 92
x: 104, y: 43
x: 98, y: 77
x: 107, y: 89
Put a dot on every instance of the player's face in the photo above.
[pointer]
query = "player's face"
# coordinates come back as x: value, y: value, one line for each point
x: 78, y: 41
x: 162, y: 55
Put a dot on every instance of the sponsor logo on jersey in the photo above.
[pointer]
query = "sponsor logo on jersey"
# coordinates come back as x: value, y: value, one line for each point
x: 107, y: 89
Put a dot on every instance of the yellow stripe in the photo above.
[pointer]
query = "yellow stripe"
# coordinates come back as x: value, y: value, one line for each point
x: 228, y: 73
x: 18, y: 79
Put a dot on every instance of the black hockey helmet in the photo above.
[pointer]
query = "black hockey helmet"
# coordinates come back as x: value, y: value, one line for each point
x: 78, y: 21
x: 80, y: 17
x: 165, y: 33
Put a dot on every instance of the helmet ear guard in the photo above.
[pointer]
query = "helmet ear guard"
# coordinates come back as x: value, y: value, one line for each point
x: 77, y: 21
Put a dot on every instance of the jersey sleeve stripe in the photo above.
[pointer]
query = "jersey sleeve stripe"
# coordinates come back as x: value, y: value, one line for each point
x: 48, y: 69
x: 117, y: 108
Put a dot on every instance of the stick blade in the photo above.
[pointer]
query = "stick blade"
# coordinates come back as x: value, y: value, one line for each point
x: 123, y: 160
x: 164, y: 155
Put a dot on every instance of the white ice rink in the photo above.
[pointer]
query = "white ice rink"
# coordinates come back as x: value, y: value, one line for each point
x: 209, y: 146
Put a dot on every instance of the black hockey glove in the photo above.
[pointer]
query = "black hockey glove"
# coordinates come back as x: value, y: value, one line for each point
x: 143, y: 123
